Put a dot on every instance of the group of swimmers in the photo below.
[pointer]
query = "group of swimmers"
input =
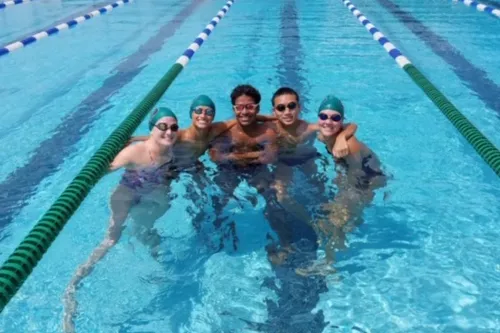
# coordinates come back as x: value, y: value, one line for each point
x: 263, y: 150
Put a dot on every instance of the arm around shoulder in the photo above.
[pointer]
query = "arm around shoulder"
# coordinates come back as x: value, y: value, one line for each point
x: 271, y: 147
x: 220, y: 127
x: 349, y: 130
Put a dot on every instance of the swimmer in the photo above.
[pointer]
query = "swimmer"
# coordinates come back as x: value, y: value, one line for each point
x: 244, y: 151
x: 147, y: 165
x: 359, y: 174
x: 296, y: 151
x: 296, y: 146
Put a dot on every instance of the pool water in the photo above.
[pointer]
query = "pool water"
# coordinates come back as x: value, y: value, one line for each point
x: 425, y: 258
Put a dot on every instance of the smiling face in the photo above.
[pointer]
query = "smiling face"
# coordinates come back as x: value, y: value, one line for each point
x: 245, y: 110
x: 202, y: 117
x: 165, y: 131
x: 329, y: 122
x: 286, y: 109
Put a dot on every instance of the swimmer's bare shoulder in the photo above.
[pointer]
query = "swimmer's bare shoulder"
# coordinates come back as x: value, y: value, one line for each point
x: 266, y: 131
x: 128, y: 156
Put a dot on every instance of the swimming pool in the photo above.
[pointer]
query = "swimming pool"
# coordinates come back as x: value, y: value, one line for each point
x: 425, y: 260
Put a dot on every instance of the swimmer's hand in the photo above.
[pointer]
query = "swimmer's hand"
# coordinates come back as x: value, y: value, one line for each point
x: 244, y: 159
x: 340, y: 148
x: 241, y: 159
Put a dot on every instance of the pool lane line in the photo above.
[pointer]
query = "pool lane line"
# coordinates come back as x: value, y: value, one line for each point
x: 483, y: 146
x: 70, y: 16
x: 60, y: 27
x: 291, y: 53
x: 47, y: 158
x: 472, y: 76
x: 481, y: 7
x: 6, y: 4
x: 30, y: 251
x: 296, y: 296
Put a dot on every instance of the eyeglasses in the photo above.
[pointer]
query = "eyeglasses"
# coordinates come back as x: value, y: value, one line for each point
x: 164, y: 127
x: 282, y: 107
x: 208, y: 111
x: 335, y: 118
x: 249, y: 107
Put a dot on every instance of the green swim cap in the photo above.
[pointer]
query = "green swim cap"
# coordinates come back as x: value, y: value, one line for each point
x: 332, y: 103
x: 159, y: 113
x: 202, y: 100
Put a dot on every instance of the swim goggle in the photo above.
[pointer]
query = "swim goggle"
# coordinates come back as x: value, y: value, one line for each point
x: 164, y: 127
x: 282, y: 107
x: 209, y: 112
x: 336, y: 118
x: 249, y: 107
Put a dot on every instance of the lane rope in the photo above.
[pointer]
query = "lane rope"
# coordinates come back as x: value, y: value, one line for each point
x: 60, y: 27
x: 483, y: 146
x: 30, y: 251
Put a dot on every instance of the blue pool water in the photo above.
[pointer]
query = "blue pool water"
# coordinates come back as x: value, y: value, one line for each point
x: 424, y: 260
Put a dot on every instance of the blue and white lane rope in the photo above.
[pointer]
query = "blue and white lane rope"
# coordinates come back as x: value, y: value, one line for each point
x: 63, y: 26
x: 191, y: 50
x: 481, y: 7
x: 378, y: 36
x: 12, y: 2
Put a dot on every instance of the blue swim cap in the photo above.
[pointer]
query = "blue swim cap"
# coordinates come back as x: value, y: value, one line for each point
x: 159, y: 113
x: 331, y: 102
x: 202, y: 100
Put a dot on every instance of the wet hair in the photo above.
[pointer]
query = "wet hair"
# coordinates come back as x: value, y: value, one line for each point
x: 284, y: 91
x: 245, y: 89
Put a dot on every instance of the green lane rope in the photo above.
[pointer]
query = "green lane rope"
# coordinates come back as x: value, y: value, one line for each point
x: 483, y: 146
x: 26, y: 256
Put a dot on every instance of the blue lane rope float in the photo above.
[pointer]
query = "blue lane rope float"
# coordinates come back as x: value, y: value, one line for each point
x: 484, y: 147
x: 12, y: 2
x: 16, y: 269
x: 481, y: 7
x: 63, y: 26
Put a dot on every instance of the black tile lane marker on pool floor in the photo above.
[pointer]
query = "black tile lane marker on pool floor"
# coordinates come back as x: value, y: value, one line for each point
x: 483, y: 146
x: 474, y: 78
x: 291, y: 53
x: 16, y: 269
x: 18, y: 187
x: 297, y: 295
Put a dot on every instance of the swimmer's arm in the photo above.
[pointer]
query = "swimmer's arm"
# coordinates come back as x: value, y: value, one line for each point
x: 245, y: 158
x: 349, y: 130
x: 341, y: 147
x: 237, y: 158
x: 271, y: 147
x: 218, y: 156
x: 310, y: 130
x: 220, y: 127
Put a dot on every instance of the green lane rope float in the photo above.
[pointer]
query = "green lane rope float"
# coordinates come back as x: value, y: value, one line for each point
x: 484, y: 147
x: 25, y: 257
